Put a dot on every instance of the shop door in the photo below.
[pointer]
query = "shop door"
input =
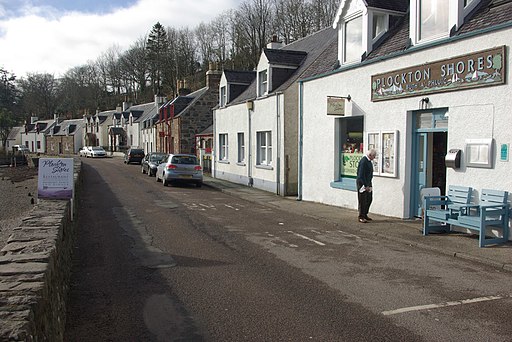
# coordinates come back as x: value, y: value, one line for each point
x: 429, y: 150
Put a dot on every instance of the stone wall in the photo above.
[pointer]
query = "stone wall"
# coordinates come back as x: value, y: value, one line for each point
x: 35, y: 268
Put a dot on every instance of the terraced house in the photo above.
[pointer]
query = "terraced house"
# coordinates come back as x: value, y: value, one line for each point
x: 424, y: 82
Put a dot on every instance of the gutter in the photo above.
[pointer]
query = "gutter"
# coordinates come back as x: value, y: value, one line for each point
x: 301, y: 132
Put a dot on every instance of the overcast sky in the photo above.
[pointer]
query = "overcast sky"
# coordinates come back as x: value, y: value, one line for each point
x: 52, y: 36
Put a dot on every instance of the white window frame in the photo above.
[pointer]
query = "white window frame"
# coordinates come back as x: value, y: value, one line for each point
x: 241, y: 147
x: 356, y: 16
x: 223, y: 96
x: 223, y: 146
x: 264, y: 148
x: 386, y: 144
x: 263, y: 83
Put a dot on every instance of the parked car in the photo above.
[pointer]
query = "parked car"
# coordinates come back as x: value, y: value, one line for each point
x: 134, y: 155
x: 21, y: 148
x: 180, y: 168
x: 151, y: 161
x: 96, y: 152
x: 84, y: 151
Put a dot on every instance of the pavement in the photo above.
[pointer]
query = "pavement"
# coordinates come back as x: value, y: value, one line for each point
x: 408, y: 232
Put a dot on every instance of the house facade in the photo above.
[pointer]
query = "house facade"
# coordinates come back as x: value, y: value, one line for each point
x: 426, y: 83
x: 14, y: 138
x: 34, y: 135
x: 255, y: 125
x: 65, y: 138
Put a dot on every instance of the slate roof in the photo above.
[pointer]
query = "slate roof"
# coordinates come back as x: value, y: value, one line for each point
x: 15, y: 132
x: 239, y: 77
x: 116, y: 131
x: 393, y: 5
x: 67, y: 127
x: 309, y: 48
x: 487, y: 14
x: 285, y: 57
x: 196, y: 95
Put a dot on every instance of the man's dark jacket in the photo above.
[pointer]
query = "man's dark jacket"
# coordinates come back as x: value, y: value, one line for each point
x: 364, y: 172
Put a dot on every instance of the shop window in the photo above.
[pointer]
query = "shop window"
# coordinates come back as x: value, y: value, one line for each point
x: 385, y: 143
x: 351, y: 150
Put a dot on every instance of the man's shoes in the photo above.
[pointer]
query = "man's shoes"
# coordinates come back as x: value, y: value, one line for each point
x: 368, y: 219
x: 362, y: 220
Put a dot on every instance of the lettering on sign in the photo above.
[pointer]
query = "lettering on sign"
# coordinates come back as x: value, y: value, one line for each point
x: 335, y: 105
x: 478, y: 69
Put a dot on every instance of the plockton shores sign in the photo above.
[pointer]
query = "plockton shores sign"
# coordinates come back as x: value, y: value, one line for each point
x: 478, y: 69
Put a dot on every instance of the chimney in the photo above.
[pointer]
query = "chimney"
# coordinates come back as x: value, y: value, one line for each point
x: 126, y: 105
x: 213, y: 76
x: 274, y: 43
x: 183, y: 89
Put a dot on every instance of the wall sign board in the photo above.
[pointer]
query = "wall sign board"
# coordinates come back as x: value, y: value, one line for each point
x: 335, y: 105
x: 477, y: 69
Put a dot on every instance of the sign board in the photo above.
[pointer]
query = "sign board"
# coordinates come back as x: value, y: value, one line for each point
x: 335, y: 105
x: 504, y: 152
x: 477, y: 69
x: 55, y: 178
x: 349, y: 162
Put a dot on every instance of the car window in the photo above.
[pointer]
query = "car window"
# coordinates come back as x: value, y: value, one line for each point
x: 157, y: 157
x: 97, y: 148
x: 184, y: 160
x: 136, y: 152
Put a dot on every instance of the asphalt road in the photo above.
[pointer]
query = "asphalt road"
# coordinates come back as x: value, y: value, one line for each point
x: 155, y: 263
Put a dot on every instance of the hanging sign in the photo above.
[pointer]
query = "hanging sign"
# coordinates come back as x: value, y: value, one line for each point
x: 335, y: 105
x: 478, y: 69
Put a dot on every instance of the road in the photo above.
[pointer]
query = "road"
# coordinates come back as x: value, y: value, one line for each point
x: 155, y: 263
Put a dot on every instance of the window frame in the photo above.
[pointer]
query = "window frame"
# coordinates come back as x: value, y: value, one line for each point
x: 241, y: 147
x: 386, y: 144
x: 223, y: 147
x: 223, y: 96
x: 264, y: 149
x: 359, y: 17
x: 263, y: 84
x: 419, y: 25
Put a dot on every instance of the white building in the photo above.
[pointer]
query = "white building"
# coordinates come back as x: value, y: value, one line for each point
x: 422, y: 85
x: 255, y: 126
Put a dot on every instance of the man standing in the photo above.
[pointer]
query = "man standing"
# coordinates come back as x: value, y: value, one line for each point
x: 364, y: 185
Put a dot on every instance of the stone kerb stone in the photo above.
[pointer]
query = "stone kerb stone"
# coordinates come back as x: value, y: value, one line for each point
x: 35, y: 268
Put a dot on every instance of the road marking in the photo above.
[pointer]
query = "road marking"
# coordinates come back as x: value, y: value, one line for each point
x: 231, y: 207
x: 307, y: 238
x: 442, y: 305
x: 209, y: 206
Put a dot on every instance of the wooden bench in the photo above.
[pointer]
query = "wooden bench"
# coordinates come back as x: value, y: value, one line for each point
x: 445, y: 209
x: 492, y: 212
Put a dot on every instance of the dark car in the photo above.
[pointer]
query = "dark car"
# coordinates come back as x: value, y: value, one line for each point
x: 134, y: 155
x: 151, y: 161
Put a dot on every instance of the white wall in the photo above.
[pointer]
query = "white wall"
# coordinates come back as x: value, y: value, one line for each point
x: 476, y: 113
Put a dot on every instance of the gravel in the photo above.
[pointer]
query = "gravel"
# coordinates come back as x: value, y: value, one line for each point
x: 18, y: 193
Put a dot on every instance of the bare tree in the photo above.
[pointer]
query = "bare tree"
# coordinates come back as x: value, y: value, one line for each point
x: 39, y: 95
x: 134, y: 67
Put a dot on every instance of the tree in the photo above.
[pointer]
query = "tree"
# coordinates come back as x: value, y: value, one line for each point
x: 7, y: 122
x: 157, y: 47
x: 8, y: 92
x: 39, y: 95
x: 134, y: 68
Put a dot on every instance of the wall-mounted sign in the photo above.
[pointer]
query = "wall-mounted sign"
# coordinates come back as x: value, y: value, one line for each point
x: 504, y: 152
x: 55, y: 178
x: 349, y: 162
x: 335, y: 105
x: 478, y: 69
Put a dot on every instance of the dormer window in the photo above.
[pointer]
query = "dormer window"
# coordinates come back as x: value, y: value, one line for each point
x: 353, y: 40
x: 433, y: 19
x: 379, y: 25
x: 262, y: 83
x: 223, y: 96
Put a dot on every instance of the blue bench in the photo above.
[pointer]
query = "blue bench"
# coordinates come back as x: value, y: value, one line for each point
x: 445, y: 209
x: 492, y: 212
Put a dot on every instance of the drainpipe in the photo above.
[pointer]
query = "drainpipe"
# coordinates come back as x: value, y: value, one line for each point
x: 278, y: 138
x: 301, y: 123
x: 250, y: 107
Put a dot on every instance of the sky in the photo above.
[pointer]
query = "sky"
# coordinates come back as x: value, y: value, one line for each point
x: 52, y: 36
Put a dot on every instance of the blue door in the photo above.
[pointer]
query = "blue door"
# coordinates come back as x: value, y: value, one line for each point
x: 428, y: 151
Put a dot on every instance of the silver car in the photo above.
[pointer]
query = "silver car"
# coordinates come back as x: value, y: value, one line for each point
x: 180, y: 168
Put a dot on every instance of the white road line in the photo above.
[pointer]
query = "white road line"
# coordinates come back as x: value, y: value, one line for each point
x: 211, y: 206
x: 307, y: 238
x: 231, y: 207
x: 442, y: 305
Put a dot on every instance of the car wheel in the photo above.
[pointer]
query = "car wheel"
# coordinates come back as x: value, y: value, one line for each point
x: 150, y: 174
x: 156, y: 177
x: 165, y: 182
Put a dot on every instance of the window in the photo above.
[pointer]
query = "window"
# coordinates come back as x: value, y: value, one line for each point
x: 262, y: 83
x: 352, y: 148
x: 241, y: 148
x: 433, y: 16
x: 38, y: 145
x: 264, y: 148
x: 467, y: 2
x: 353, y: 40
x: 223, y: 146
x: 378, y: 25
x: 385, y: 143
x: 223, y: 96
